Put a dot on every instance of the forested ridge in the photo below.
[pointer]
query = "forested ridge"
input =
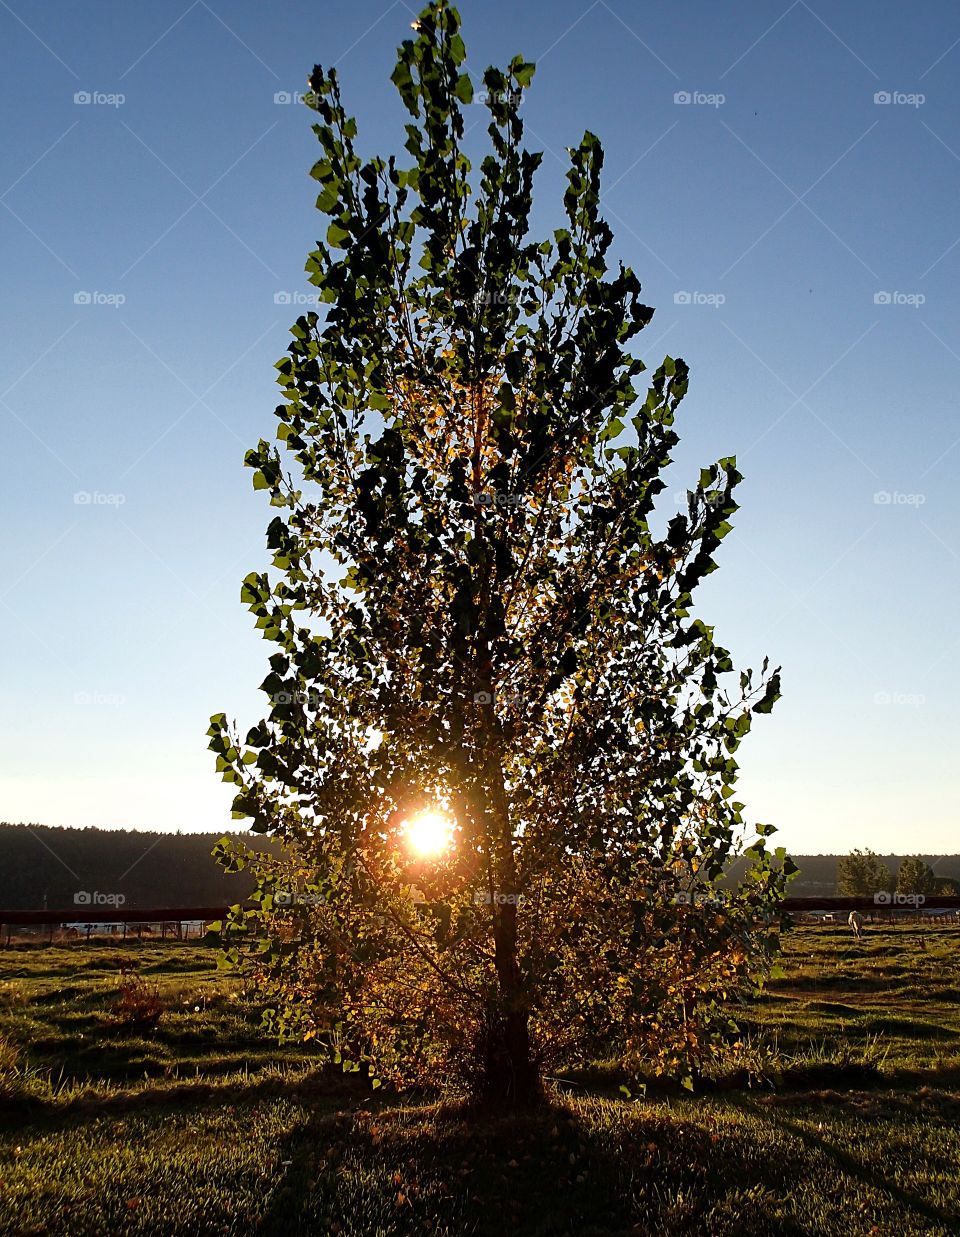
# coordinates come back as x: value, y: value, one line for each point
x: 43, y: 865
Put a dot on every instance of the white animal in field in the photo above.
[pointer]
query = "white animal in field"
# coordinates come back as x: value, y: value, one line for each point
x: 855, y: 920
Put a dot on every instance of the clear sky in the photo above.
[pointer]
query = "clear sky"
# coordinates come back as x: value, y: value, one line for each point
x: 784, y: 178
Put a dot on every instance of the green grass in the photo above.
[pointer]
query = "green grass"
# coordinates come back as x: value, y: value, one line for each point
x: 897, y: 989
x: 203, y: 1127
x: 57, y: 1003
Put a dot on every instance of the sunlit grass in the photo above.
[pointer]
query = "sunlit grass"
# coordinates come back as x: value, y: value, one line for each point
x: 202, y: 1125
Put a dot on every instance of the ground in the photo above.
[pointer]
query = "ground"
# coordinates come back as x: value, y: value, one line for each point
x: 200, y: 1126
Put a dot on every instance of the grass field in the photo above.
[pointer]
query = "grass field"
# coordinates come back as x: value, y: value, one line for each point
x: 197, y: 1125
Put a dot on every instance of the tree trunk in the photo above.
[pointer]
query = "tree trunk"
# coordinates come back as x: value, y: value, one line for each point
x: 509, y: 1071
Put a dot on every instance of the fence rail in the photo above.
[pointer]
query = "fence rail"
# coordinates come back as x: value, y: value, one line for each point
x: 112, y: 914
x: 893, y: 902
x: 173, y: 914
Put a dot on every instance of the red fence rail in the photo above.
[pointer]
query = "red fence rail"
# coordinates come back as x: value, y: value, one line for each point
x: 112, y: 914
x: 894, y: 902
x: 172, y: 914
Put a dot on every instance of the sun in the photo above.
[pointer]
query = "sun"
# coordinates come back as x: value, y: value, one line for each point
x: 428, y: 833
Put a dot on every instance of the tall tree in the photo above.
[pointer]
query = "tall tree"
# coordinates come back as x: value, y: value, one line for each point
x: 482, y: 643
x: 862, y: 873
x: 916, y: 876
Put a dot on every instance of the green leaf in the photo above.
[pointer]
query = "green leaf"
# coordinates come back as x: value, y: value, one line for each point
x: 523, y: 72
x: 464, y: 88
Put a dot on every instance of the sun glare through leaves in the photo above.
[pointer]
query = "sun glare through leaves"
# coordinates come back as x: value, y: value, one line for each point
x: 429, y: 834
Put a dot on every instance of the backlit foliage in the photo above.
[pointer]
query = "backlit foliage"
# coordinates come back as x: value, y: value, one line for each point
x: 474, y: 614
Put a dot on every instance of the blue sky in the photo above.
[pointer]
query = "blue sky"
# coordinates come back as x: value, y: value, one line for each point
x: 784, y: 180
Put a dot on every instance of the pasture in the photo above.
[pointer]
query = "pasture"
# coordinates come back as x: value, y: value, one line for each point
x: 153, y: 1104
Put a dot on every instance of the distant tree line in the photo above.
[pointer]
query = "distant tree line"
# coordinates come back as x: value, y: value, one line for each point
x: 42, y: 866
x: 46, y: 867
x: 863, y: 873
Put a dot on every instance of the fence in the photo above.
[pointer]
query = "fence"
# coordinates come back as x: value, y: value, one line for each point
x: 180, y: 921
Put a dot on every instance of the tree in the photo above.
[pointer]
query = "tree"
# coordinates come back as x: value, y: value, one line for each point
x: 479, y: 633
x: 862, y: 874
x: 916, y: 876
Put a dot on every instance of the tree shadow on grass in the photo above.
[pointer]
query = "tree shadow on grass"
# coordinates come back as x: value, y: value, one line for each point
x: 850, y: 1164
x: 320, y: 1084
x: 566, y: 1170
